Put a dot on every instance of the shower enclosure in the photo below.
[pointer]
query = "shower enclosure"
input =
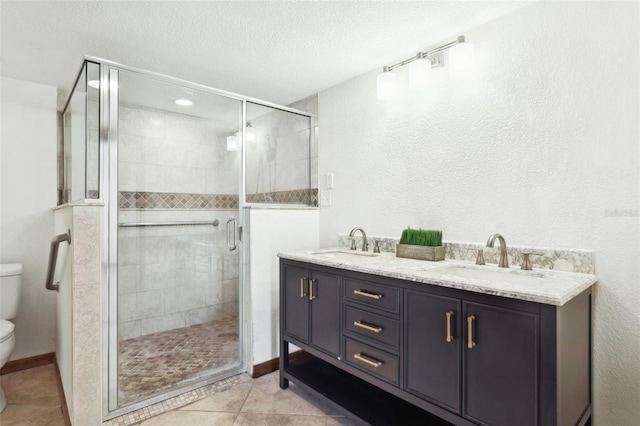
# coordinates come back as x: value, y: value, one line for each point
x: 175, y: 164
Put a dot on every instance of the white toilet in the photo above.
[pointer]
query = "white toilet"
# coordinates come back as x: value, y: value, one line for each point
x: 10, y: 289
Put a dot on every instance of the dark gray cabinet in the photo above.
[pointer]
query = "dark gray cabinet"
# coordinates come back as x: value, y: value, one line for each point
x: 500, y: 365
x: 312, y: 314
x: 433, y: 347
x: 465, y: 358
x: 477, y: 360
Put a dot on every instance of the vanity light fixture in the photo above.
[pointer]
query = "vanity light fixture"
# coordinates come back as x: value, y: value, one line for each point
x: 183, y: 102
x: 386, y: 85
x: 420, y: 72
x: 461, y: 58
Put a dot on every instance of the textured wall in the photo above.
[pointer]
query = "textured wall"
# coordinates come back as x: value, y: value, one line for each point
x: 542, y: 147
x: 27, y: 195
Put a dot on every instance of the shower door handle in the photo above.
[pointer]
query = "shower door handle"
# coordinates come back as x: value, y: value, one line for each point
x: 232, y: 225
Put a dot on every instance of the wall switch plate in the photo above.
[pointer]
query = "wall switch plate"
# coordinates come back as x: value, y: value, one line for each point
x: 325, y: 198
x: 329, y: 180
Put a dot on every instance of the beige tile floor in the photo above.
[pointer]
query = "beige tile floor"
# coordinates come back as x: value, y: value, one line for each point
x: 260, y: 402
x: 34, y: 401
x: 33, y: 398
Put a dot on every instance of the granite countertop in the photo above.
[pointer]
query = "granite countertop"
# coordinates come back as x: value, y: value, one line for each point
x: 538, y: 285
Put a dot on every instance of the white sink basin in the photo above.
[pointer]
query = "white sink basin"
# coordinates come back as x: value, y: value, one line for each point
x: 346, y: 254
x: 502, y: 276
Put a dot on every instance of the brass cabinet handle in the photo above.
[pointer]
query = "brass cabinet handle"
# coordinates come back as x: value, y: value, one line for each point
x: 369, y: 295
x: 311, y: 296
x: 449, y: 336
x: 470, y: 342
x: 302, y: 293
x: 373, y: 328
x: 372, y: 362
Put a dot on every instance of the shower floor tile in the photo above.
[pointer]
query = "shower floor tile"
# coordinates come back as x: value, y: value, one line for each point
x: 154, y: 363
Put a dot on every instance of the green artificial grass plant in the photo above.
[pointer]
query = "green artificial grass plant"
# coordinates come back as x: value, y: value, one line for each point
x: 421, y: 237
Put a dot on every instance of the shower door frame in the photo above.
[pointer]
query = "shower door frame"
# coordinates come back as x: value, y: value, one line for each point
x: 108, y: 195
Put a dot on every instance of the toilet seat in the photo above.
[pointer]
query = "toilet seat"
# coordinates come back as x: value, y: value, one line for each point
x: 6, y: 330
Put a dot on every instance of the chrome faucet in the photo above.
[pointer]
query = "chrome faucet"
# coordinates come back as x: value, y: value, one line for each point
x: 504, y: 261
x: 365, y: 245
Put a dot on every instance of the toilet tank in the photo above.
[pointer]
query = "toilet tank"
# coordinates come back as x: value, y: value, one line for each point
x: 10, y: 289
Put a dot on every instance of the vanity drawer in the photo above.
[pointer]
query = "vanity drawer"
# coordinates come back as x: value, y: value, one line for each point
x: 380, y: 296
x: 372, y: 326
x: 374, y: 361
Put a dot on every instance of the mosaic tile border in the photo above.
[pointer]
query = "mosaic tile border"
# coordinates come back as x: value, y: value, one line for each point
x: 133, y: 200
x: 559, y: 259
x: 179, y: 401
x: 171, y: 200
x: 296, y: 196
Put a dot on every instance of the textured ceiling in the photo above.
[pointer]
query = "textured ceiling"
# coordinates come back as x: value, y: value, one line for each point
x: 279, y: 51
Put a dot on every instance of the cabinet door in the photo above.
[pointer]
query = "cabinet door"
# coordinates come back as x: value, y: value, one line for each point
x: 296, y: 309
x: 433, y: 348
x: 501, y: 368
x: 325, y: 312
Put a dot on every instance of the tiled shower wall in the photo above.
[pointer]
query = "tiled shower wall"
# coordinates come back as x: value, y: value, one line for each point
x: 174, y: 276
x: 284, y: 156
x: 174, y: 168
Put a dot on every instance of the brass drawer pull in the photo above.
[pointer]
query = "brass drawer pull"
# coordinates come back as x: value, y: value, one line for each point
x: 449, y: 336
x: 372, y: 362
x: 302, y: 293
x: 311, y: 295
x: 369, y: 295
x: 470, y: 343
x: 368, y: 327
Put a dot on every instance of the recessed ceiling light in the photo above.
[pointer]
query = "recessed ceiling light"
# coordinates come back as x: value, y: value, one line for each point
x: 94, y: 83
x: 183, y: 102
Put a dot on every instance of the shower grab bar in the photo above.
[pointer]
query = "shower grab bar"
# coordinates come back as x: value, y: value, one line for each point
x: 216, y: 222
x: 53, y: 259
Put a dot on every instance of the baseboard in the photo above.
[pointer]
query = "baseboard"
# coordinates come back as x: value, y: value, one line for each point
x: 26, y: 363
x: 63, y: 399
x: 274, y: 364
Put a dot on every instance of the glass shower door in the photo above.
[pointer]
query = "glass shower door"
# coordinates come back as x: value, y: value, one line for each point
x: 178, y: 275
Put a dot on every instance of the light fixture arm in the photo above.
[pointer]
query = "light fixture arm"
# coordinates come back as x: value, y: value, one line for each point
x: 420, y: 55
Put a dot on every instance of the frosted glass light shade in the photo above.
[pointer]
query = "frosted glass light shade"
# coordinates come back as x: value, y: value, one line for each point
x: 386, y: 84
x: 232, y: 143
x: 420, y: 73
x: 461, y: 59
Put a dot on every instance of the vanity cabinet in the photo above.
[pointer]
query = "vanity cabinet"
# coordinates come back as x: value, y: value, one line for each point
x: 312, y: 314
x: 433, y: 348
x: 477, y: 360
x: 413, y: 353
x: 500, y: 365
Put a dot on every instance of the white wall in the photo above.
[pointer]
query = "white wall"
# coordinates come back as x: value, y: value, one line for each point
x: 273, y: 231
x: 542, y: 147
x: 28, y: 184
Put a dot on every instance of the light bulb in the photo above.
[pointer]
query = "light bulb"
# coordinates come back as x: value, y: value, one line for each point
x: 386, y: 85
x: 183, y: 102
x: 420, y: 73
x: 232, y: 143
x: 461, y: 59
